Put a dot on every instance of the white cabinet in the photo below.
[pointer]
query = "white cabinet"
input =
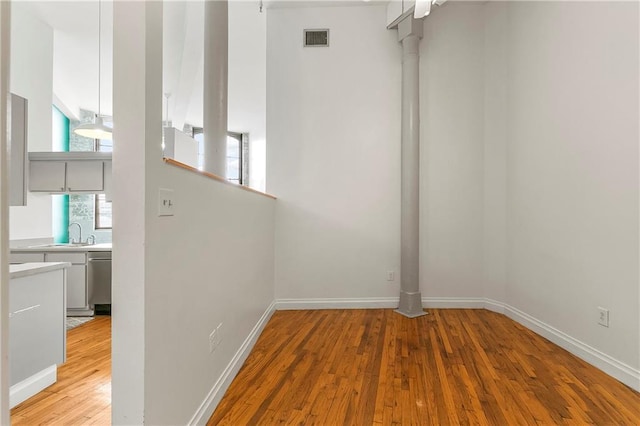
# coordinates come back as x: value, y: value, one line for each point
x: 77, y: 287
x: 37, y: 332
x: 107, y: 181
x: 64, y: 172
x: 18, y: 146
x: 26, y: 257
x: 85, y: 176
x: 77, y: 282
x: 77, y: 291
x: 66, y: 176
x: 47, y: 176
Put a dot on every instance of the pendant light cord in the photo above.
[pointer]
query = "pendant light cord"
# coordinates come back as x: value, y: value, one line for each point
x: 99, y: 50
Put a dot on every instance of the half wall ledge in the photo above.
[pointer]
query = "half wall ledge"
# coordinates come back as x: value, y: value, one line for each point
x: 175, y: 163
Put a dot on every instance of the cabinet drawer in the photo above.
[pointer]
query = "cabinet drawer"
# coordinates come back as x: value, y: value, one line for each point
x: 75, y: 258
x: 26, y: 257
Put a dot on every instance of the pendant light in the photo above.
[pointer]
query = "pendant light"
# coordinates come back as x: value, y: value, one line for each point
x: 97, y: 129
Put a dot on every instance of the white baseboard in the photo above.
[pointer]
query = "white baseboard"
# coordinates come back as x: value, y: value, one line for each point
x: 617, y: 369
x: 208, y: 406
x: 30, y: 386
x: 453, y: 302
x: 364, y: 303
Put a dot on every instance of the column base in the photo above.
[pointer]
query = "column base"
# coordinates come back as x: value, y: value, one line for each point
x: 410, y: 305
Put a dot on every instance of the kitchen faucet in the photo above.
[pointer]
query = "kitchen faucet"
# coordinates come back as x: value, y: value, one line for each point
x: 79, y: 232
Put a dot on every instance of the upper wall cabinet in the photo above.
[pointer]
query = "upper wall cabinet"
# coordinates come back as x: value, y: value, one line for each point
x: 64, y: 172
x: 18, y: 144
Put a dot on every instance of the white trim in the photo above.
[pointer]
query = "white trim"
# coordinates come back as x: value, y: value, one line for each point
x: 30, y: 386
x: 611, y: 366
x: 208, y: 406
x: 617, y: 369
x: 494, y: 306
x: 363, y: 303
x: 453, y: 302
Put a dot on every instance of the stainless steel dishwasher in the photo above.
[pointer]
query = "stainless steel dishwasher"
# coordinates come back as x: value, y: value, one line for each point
x: 99, y: 280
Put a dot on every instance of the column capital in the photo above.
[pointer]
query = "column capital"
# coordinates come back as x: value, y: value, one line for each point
x: 410, y: 26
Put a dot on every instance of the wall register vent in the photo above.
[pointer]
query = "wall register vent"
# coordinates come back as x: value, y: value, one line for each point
x: 316, y: 38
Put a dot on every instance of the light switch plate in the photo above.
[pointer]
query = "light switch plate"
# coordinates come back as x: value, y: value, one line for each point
x: 166, y: 202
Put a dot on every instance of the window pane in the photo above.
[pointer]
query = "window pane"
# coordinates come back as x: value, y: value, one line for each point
x: 105, y: 145
x: 103, y: 212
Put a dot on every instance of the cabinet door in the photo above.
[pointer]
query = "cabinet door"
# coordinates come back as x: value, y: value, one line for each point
x: 85, y: 176
x: 77, y: 287
x: 107, y: 181
x: 18, y: 143
x: 47, y: 176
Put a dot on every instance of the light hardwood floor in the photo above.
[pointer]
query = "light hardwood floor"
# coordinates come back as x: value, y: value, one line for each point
x: 365, y: 367
x: 82, y: 394
x: 375, y: 367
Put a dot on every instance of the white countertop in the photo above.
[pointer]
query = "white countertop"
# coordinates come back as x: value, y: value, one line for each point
x: 53, y: 247
x: 27, y: 269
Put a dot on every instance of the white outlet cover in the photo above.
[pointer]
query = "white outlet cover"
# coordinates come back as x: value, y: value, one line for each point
x: 603, y: 316
x: 166, y: 202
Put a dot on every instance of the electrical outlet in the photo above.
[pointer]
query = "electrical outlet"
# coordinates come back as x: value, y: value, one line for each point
x: 215, y: 338
x: 165, y: 202
x: 391, y: 276
x: 218, y: 334
x: 603, y: 316
x: 212, y: 340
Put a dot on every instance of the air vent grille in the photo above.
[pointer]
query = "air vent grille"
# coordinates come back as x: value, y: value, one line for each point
x: 316, y: 38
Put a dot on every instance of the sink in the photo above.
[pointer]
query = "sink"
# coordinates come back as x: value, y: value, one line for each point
x: 62, y: 245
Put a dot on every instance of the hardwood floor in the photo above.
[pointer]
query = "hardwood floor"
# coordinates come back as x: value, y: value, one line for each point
x: 371, y: 367
x: 82, y: 394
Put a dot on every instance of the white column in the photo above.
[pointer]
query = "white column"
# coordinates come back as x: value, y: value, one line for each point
x: 410, y: 33
x: 216, y: 59
x: 5, y: 37
x: 137, y: 153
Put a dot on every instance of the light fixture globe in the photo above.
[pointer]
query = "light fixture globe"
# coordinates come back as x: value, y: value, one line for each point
x: 95, y: 130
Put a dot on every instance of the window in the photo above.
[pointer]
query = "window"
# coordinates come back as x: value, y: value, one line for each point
x: 102, y: 212
x: 234, y: 157
x: 237, y: 155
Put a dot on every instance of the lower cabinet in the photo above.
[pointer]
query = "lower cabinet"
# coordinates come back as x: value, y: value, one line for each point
x: 37, y: 332
x: 77, y: 297
x: 77, y: 284
x: 77, y: 287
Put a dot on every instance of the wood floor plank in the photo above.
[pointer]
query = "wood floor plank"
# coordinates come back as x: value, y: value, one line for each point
x: 363, y: 367
x: 82, y: 393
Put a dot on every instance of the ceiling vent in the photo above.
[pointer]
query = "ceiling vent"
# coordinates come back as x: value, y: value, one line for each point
x: 316, y: 38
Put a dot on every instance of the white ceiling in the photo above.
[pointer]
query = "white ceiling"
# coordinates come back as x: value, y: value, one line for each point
x: 75, y: 25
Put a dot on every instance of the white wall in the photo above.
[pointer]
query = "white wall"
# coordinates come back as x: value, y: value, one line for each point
x: 247, y: 82
x: 529, y: 155
x: 175, y: 278
x: 495, y: 151
x: 451, y: 138
x: 211, y: 263
x: 333, y: 157
x: 247, y: 74
x: 32, y: 78
x: 572, y: 177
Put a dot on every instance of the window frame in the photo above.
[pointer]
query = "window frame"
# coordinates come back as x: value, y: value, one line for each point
x: 96, y: 197
x: 243, y: 166
x: 96, y: 213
